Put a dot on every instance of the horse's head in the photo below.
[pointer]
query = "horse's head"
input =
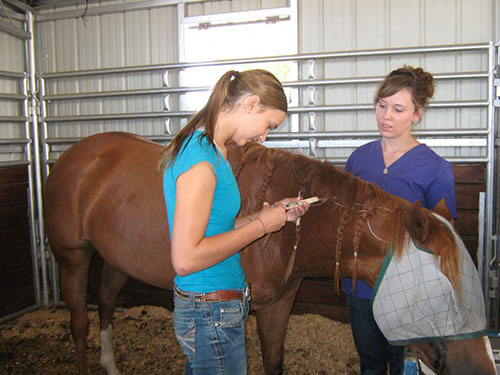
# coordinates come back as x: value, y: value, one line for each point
x: 456, y: 357
x: 433, y: 234
x: 417, y: 223
x: 418, y: 220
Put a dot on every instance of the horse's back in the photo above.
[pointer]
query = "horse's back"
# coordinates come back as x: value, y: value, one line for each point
x: 106, y: 191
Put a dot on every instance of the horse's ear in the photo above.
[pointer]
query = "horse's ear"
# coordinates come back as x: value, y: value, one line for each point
x: 417, y: 222
x: 442, y: 209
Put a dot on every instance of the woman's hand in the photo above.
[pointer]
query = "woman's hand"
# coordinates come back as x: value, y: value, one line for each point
x: 273, y: 218
x: 294, y: 213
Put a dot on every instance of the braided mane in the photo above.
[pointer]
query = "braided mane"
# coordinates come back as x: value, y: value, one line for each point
x: 358, y: 200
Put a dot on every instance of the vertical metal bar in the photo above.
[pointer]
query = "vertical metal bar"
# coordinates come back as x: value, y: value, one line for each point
x: 181, y: 103
x: 312, y: 121
x: 311, y: 90
x: 490, y: 257
x: 480, y: 236
x: 166, y: 83
x: 166, y: 126
x: 43, y: 127
x: 31, y: 195
x: 312, y: 147
x: 496, y: 184
x: 51, y: 261
x: 494, y: 262
x: 311, y: 69
x: 166, y: 79
x: 30, y: 46
x: 166, y: 102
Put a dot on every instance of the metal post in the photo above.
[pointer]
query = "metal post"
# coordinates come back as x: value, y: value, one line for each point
x: 51, y: 262
x: 494, y: 279
x: 32, y: 195
x: 491, y: 258
x: 30, y: 47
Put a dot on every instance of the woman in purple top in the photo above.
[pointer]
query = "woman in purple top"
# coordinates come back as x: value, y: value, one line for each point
x: 402, y: 166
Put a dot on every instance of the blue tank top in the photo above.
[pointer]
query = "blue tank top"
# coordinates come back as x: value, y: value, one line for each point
x: 227, y: 274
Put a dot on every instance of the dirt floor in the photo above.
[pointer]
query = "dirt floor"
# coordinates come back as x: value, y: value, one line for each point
x: 40, y: 343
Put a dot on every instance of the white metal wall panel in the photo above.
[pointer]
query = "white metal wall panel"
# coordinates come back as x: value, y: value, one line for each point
x: 12, y: 48
x: 226, y: 6
x: 149, y: 36
x: 137, y: 37
x: 345, y: 25
x: 126, y: 38
x: 12, y: 59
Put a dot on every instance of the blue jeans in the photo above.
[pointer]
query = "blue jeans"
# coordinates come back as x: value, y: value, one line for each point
x: 373, y: 348
x: 211, y: 335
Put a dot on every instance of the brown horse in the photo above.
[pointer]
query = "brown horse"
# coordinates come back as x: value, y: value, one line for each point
x: 105, y: 194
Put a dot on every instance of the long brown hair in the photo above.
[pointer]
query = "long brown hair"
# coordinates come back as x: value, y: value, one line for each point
x: 228, y: 90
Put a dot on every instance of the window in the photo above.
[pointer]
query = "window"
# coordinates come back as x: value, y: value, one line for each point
x: 237, y: 35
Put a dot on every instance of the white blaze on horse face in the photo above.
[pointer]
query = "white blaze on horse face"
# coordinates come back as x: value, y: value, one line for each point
x: 107, y: 355
x: 489, y: 350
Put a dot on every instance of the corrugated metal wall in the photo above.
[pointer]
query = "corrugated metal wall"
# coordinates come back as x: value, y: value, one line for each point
x: 14, y: 60
x: 366, y: 24
x: 150, y: 36
x: 13, y: 64
x: 227, y: 6
x: 338, y: 25
x: 125, y: 38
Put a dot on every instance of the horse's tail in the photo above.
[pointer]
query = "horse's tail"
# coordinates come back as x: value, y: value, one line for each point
x: 433, y: 234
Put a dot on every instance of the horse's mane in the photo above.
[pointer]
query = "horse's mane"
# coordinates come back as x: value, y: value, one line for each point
x: 356, y: 198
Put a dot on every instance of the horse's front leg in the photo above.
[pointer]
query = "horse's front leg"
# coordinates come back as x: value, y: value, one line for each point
x: 271, y: 325
x: 112, y: 283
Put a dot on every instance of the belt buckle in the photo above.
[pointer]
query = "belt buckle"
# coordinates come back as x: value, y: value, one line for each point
x: 248, y: 294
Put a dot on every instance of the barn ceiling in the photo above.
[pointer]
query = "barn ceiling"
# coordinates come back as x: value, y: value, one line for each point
x: 42, y: 4
x: 23, y: 5
x: 38, y: 3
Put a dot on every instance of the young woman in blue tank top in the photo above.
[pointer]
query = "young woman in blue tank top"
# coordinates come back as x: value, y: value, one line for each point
x: 202, y: 200
x: 402, y: 166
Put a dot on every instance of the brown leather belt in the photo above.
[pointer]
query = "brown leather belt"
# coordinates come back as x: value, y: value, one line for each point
x: 217, y: 296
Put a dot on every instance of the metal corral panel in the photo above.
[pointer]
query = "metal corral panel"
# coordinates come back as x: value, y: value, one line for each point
x: 19, y: 272
x: 338, y: 25
x: 12, y: 67
x: 126, y: 38
x: 149, y: 36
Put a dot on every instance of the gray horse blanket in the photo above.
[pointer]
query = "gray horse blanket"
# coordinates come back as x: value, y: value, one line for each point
x: 413, y: 301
